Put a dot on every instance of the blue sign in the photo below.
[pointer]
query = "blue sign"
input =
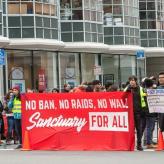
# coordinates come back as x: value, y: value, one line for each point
x: 140, y: 54
x: 2, y: 57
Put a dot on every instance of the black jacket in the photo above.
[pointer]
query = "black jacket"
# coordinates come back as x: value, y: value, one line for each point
x: 161, y: 115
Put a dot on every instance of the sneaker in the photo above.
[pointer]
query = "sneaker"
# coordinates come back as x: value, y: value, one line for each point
x: 139, y: 148
x: 19, y: 146
x: 151, y: 146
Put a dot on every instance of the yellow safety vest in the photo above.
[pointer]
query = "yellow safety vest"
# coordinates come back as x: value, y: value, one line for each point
x: 16, y: 108
x: 142, y: 95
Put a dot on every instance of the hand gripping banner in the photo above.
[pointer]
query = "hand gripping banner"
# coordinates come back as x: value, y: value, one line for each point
x: 73, y: 121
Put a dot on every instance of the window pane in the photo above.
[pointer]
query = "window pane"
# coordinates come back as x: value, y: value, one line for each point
x: 66, y: 37
x: 15, y: 33
x: 14, y: 21
x: 38, y: 21
x: 78, y: 36
x: 39, y: 33
x: 78, y: 26
x: 27, y: 33
x: 28, y: 21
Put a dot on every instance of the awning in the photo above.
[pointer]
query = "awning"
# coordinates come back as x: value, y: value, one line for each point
x: 4, y: 41
x: 154, y: 52
x: 36, y: 44
x: 86, y: 47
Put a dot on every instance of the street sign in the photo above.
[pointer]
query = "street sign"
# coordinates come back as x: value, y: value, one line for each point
x: 2, y: 57
x: 140, y: 54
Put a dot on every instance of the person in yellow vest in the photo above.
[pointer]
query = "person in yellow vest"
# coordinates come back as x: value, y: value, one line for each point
x: 139, y: 107
x: 16, y: 109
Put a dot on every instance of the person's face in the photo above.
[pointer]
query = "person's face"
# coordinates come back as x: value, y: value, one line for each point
x: 15, y: 91
x: 161, y: 79
x: 133, y: 83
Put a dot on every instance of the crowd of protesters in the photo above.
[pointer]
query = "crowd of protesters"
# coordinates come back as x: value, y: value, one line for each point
x: 144, y: 121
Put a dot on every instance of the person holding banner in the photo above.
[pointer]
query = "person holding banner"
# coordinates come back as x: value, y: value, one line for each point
x: 161, y: 115
x: 139, y: 106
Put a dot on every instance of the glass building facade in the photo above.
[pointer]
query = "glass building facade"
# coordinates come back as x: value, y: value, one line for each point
x: 121, y: 22
x: 152, y: 23
x: 31, y: 19
x: 81, y: 21
x: 65, y: 40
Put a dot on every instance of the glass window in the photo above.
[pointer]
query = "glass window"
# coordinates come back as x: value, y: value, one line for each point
x: 153, y: 43
x: 150, y: 5
x: 14, y: 21
x: 78, y: 26
x: 86, y: 14
x: 21, y: 60
x: 14, y: 33
x: 143, y: 15
x: 66, y: 37
x: 94, y: 37
x: 108, y: 31
x: 66, y: 26
x: 151, y: 24
x: 119, y: 40
x: 54, y: 23
x: 87, y: 65
x: 77, y: 15
x: 86, y: 4
x: 117, y: 1
x: 118, y: 31
x: 27, y: 32
x: 93, y: 27
x: 69, y: 69
x: 108, y: 40
x: 38, y: 21
x: 47, y: 34
x: 93, y: 15
x: 46, y: 62
x: 78, y: 36
x: 77, y: 4
x: 88, y: 37
x: 110, y: 66
x: 87, y: 27
x: 143, y: 34
x: 117, y: 10
x: 143, y: 24
x: 142, y: 5
x: 144, y: 43
x: 127, y: 67
x: 28, y: 21
x: 151, y: 14
x: 39, y: 32
x: 107, y: 1
x: 54, y: 34
x: 46, y: 22
x: 152, y: 34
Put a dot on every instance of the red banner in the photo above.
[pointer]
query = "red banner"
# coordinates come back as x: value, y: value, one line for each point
x: 73, y: 121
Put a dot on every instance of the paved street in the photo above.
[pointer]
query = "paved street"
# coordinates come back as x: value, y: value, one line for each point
x: 80, y: 157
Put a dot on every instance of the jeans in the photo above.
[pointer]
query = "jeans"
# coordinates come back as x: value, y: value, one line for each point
x: 10, y: 123
x: 18, y: 129
x: 150, y: 124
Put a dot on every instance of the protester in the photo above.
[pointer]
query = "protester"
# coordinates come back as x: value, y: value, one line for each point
x: 10, y: 119
x: 139, y: 106
x: 1, y: 122
x: 15, y: 104
x: 161, y: 115
x: 55, y: 90
x: 150, y: 118
x: 96, y: 84
x: 67, y: 88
